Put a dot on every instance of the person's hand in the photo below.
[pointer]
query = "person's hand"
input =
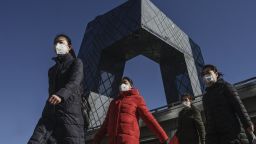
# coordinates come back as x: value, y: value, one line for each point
x: 165, y: 142
x: 250, y: 129
x: 54, y: 99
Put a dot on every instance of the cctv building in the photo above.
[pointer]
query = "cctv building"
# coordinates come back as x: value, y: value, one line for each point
x: 134, y: 28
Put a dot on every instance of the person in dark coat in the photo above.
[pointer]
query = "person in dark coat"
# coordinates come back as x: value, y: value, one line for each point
x: 121, y: 123
x: 224, y: 111
x: 62, y: 121
x: 190, y: 125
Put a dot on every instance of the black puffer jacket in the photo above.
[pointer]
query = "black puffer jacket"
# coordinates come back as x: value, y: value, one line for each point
x: 190, y: 126
x: 62, y: 123
x: 224, y: 112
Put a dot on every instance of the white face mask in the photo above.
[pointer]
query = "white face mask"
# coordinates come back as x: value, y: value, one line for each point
x: 187, y: 103
x: 61, y: 49
x: 209, y: 79
x: 124, y: 87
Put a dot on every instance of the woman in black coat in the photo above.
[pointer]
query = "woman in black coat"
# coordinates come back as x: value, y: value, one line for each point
x: 224, y: 111
x: 190, y: 125
x: 62, y: 121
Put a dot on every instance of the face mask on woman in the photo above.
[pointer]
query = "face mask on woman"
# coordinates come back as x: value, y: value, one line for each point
x: 61, y: 49
x: 124, y: 87
x: 209, y: 79
x: 186, y: 103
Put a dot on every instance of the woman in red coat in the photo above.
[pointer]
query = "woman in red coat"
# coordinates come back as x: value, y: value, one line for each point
x: 121, y: 123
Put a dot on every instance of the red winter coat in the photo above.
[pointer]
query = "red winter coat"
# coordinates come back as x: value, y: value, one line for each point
x: 121, y: 123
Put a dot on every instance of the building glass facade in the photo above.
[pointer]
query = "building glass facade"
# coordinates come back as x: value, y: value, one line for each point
x: 134, y: 28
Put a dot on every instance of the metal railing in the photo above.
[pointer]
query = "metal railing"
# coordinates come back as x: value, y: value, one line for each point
x: 244, y: 82
x: 239, y: 85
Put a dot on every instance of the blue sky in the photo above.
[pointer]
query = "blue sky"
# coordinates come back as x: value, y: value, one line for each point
x: 225, y: 31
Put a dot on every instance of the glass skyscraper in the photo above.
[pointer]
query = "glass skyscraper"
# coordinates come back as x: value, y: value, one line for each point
x: 134, y: 28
